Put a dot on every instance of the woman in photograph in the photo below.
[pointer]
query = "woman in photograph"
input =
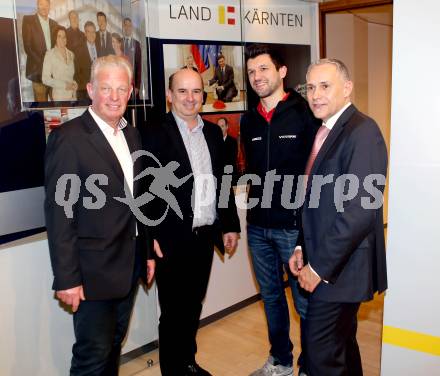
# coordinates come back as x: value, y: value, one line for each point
x: 118, y: 45
x: 58, y: 69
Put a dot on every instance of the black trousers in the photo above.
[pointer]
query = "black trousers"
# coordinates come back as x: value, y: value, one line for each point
x: 100, y: 326
x: 227, y: 95
x: 182, y: 279
x: 330, y: 337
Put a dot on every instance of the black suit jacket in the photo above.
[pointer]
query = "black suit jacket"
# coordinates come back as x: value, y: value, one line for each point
x: 34, y: 45
x: 165, y: 142
x: 226, y: 80
x: 347, y: 248
x: 83, y: 64
x: 100, y: 49
x: 132, y: 49
x: 95, y: 248
x: 231, y: 153
x: 75, y: 38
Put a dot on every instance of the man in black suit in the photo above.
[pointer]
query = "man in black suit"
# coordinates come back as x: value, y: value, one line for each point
x: 132, y: 49
x: 103, y: 37
x: 342, y: 239
x: 224, y: 78
x: 230, y: 148
x: 191, y: 152
x: 97, y: 246
x: 85, y: 55
x: 37, y: 33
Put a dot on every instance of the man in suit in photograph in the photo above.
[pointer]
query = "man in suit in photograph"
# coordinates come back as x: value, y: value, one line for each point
x: 98, y: 248
x: 230, y: 148
x: 132, y: 49
x: 37, y: 34
x: 184, y: 241
x: 85, y: 55
x: 224, y: 78
x: 340, y: 258
x: 103, y: 36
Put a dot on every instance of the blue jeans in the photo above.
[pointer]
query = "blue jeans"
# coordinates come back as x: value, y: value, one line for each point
x: 270, y: 250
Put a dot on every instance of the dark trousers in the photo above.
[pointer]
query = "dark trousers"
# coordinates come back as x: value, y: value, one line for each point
x: 330, y: 336
x: 100, y: 326
x: 227, y: 95
x: 182, y: 279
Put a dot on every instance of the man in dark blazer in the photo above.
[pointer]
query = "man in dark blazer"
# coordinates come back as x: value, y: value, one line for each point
x: 230, y: 148
x: 224, y: 77
x: 85, y: 54
x: 132, y: 49
x: 98, y: 248
x: 185, y: 238
x: 103, y: 37
x: 37, y: 33
x: 75, y: 37
x: 341, y: 255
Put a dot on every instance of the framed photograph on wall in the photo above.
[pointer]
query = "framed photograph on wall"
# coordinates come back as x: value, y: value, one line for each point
x: 221, y: 68
x: 58, y: 40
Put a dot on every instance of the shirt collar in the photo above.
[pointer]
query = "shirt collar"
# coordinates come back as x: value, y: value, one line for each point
x: 330, y: 123
x: 183, y: 125
x: 42, y: 19
x: 106, y: 128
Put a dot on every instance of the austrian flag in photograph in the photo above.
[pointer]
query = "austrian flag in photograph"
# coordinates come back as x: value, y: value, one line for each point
x: 226, y: 15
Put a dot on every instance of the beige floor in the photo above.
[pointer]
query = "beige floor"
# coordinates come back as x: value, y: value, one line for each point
x: 237, y: 344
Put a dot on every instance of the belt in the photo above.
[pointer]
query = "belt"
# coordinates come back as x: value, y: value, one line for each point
x: 201, y: 229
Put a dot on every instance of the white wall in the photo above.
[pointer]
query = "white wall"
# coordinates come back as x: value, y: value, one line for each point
x: 37, y: 333
x: 412, y: 304
x: 366, y: 49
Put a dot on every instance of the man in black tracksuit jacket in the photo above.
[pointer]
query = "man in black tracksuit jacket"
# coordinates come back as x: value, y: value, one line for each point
x: 277, y: 137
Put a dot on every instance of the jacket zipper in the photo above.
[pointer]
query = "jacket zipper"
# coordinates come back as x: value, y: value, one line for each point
x: 268, y: 164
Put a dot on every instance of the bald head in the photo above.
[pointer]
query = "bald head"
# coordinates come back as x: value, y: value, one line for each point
x: 185, y: 94
x: 184, y: 73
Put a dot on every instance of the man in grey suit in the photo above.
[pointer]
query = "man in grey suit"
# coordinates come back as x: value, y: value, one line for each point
x: 340, y: 257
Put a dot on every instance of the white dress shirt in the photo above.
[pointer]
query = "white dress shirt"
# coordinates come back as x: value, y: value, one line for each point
x: 204, y: 195
x: 46, y: 31
x: 119, y: 145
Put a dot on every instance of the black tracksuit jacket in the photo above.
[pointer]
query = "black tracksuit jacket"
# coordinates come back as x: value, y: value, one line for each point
x: 283, y: 145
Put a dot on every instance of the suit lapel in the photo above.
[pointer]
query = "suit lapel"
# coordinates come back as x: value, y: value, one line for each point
x: 100, y: 143
x: 133, y: 145
x: 40, y: 32
x: 177, y: 142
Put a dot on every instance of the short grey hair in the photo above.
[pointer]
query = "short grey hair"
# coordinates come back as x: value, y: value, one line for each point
x: 111, y: 61
x: 340, y: 67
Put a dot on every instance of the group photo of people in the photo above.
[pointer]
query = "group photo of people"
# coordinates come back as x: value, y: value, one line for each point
x: 57, y: 46
x: 260, y: 115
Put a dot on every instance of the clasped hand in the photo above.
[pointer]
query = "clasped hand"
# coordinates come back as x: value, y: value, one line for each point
x: 307, y: 279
